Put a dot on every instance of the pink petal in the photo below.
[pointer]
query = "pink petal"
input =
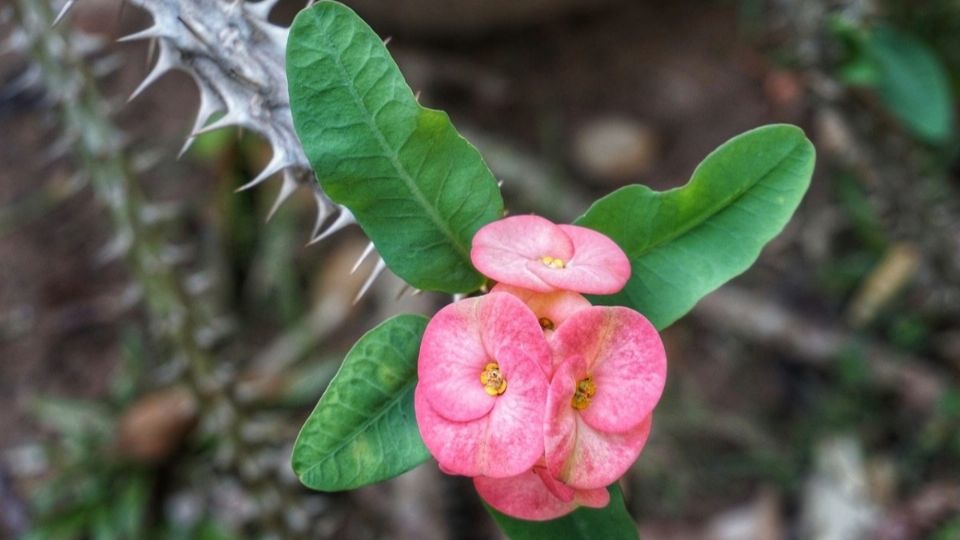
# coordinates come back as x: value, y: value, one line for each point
x: 515, y: 438
x: 523, y: 496
x: 527, y: 496
x: 559, y: 490
x: 577, y: 454
x: 598, y: 265
x: 462, y: 338
x: 502, y: 250
x: 452, y: 356
x: 455, y: 445
x: 593, y: 498
x: 507, y: 323
x: 554, y: 306
x: 499, y: 444
x: 597, y: 459
x: 625, y: 359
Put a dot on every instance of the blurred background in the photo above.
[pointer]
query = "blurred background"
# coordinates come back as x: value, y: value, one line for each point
x: 161, y: 341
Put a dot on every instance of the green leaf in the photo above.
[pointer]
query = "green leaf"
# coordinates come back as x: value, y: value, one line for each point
x: 686, y: 242
x: 907, y: 76
x: 610, y: 523
x: 417, y: 188
x: 363, y: 429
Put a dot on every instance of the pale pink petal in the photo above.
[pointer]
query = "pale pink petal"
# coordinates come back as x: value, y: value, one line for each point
x: 507, y: 323
x: 625, y: 360
x: 455, y: 445
x: 559, y: 490
x: 593, y: 498
x: 596, y: 459
x: 515, y: 436
x: 533, y: 495
x: 553, y: 307
x: 523, y: 496
x: 575, y: 453
x: 452, y: 357
x: 598, y: 263
x: 502, y: 250
x: 560, y: 423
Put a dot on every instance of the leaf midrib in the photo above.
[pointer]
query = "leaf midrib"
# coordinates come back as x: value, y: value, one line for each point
x: 393, y: 156
x: 718, y: 209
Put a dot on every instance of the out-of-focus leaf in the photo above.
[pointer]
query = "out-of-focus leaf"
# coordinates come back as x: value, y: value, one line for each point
x: 906, y: 74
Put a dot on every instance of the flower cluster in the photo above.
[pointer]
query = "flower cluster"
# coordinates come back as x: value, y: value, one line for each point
x: 539, y: 396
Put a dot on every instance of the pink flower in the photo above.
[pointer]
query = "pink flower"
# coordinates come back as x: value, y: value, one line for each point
x: 535, y: 495
x: 610, y: 372
x: 551, y: 308
x: 533, y: 253
x: 482, y: 387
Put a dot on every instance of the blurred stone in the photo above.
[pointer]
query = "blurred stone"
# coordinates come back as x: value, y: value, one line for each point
x: 153, y: 428
x: 832, y: 134
x: 836, y: 501
x: 783, y: 88
x: 615, y: 150
x: 757, y: 520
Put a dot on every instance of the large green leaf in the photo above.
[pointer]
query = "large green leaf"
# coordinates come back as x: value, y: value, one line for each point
x: 686, y: 242
x: 363, y: 429
x: 609, y: 523
x: 906, y: 74
x: 417, y: 188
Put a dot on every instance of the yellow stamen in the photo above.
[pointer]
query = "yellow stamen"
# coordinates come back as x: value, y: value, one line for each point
x: 585, y: 391
x: 553, y: 262
x: 492, y: 380
x: 546, y: 323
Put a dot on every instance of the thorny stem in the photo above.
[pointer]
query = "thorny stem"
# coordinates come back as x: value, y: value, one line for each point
x: 177, y: 316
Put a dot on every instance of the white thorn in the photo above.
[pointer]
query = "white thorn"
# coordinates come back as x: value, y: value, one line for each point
x: 377, y: 270
x: 363, y: 256
x: 287, y: 188
x: 387, y: 40
x: 277, y: 163
x: 210, y: 104
x: 344, y: 218
x: 227, y: 120
x: 116, y: 248
x: 323, y: 210
x: 164, y: 63
x: 63, y: 11
x: 261, y: 9
x: 499, y: 183
x: 146, y: 33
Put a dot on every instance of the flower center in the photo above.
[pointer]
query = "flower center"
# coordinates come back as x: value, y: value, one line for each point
x: 553, y: 262
x: 492, y: 380
x: 585, y: 391
x: 546, y: 323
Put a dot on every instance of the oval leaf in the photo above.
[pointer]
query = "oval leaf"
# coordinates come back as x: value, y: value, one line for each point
x: 686, y: 242
x: 417, y: 188
x: 363, y: 429
x: 610, y: 523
